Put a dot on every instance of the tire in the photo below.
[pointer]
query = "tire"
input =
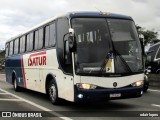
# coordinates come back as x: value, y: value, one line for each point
x: 145, y: 88
x: 53, y: 92
x: 146, y: 84
x: 15, y: 86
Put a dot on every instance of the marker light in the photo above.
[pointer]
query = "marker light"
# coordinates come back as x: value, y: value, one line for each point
x: 80, y: 96
x: 86, y: 86
x: 138, y: 83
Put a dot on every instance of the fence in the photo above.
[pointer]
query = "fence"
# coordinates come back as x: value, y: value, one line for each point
x: 2, y: 65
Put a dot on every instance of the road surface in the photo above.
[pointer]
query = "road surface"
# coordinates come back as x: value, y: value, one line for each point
x: 146, y: 107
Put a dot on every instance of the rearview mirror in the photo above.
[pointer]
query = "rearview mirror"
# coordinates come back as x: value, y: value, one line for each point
x: 71, y: 31
x: 72, y: 44
x: 67, y: 54
x: 141, y: 37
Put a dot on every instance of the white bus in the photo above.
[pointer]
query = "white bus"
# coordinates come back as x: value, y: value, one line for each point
x: 79, y: 56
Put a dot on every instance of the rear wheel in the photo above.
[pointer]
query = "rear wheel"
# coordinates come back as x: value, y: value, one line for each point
x: 15, y: 86
x: 53, y: 92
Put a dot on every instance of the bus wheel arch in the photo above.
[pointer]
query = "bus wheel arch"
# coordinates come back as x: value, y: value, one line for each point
x: 158, y: 71
x: 52, y: 89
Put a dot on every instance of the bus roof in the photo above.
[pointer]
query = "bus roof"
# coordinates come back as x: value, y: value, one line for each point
x: 96, y: 14
x: 71, y: 15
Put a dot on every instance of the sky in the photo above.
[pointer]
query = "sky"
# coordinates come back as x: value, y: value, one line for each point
x: 16, y: 16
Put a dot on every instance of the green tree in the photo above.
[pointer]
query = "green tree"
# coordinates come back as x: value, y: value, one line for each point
x: 149, y: 36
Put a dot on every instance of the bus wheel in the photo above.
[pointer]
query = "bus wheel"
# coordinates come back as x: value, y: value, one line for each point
x: 53, y: 92
x: 15, y: 86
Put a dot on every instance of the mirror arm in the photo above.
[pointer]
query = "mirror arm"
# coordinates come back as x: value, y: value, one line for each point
x: 71, y: 31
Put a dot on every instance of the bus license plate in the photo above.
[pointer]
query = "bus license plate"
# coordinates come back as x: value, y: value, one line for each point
x: 115, y: 95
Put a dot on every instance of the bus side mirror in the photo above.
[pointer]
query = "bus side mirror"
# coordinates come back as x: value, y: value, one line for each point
x: 67, y: 55
x: 71, y: 40
x: 141, y: 38
x: 71, y: 31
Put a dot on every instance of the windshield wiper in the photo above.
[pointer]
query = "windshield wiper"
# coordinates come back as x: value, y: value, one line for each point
x: 122, y: 59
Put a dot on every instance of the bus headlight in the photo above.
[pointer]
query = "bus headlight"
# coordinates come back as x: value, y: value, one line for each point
x: 138, y: 83
x: 86, y: 86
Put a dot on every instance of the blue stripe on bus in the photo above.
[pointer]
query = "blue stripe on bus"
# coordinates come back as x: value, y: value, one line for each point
x: 14, y: 64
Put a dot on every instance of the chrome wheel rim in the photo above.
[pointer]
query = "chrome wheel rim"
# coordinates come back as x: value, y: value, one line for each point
x: 52, y: 92
x: 15, y: 84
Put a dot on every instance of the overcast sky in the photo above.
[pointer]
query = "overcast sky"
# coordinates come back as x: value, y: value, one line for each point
x: 16, y: 16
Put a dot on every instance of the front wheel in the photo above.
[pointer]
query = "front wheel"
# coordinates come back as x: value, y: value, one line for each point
x: 53, y: 92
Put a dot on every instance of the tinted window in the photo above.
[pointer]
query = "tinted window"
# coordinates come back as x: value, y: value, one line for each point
x: 6, y: 50
x: 36, y: 40
x: 11, y: 48
x: 40, y: 41
x: 46, y: 36
x: 22, y: 44
x: 52, y: 35
x: 62, y: 29
x: 16, y: 46
x: 31, y: 43
x: 28, y: 41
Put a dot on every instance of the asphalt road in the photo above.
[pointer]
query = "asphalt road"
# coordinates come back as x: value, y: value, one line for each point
x: 125, y: 109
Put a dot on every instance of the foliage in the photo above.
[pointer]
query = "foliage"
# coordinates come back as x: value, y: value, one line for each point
x: 149, y: 35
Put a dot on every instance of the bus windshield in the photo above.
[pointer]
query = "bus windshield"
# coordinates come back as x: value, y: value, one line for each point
x: 101, y: 41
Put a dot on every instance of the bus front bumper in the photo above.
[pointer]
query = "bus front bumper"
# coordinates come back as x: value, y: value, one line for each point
x: 106, y: 94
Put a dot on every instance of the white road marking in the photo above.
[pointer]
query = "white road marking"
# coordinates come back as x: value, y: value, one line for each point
x: 38, y: 106
x: 10, y: 99
x: 3, y: 93
x: 153, y: 90
x: 155, y: 105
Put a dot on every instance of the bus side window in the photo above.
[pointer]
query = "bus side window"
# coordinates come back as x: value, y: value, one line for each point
x: 50, y: 35
x: 52, y: 41
x: 11, y: 48
x: 62, y: 29
x: 22, y: 44
x: 28, y: 41
x: 6, y: 50
x: 46, y: 36
x: 31, y: 43
x: 36, y: 40
x: 40, y: 37
x: 16, y: 45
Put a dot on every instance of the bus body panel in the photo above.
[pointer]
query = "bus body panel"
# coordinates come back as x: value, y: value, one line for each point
x: 107, y: 93
x: 32, y: 69
x: 106, y: 88
x: 13, y: 66
x: 36, y: 68
x: 107, y: 82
